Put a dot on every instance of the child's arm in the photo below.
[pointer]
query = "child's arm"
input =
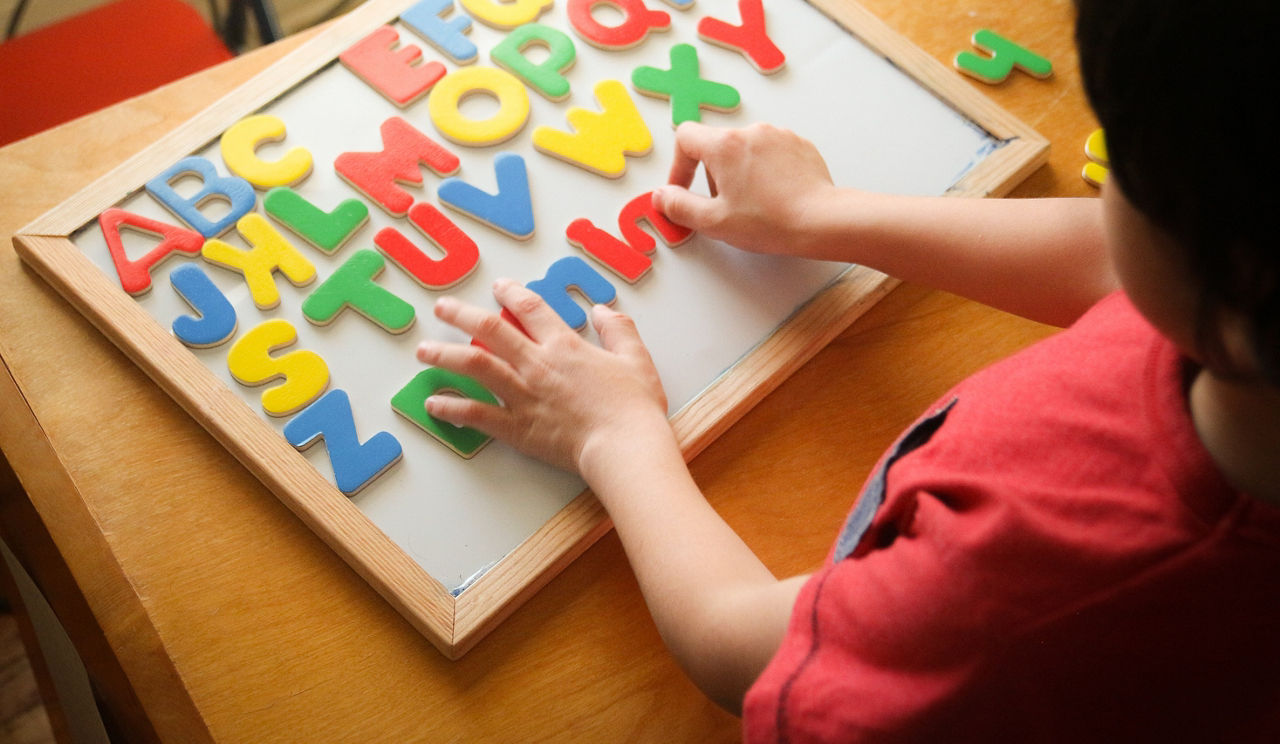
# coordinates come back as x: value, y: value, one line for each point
x: 771, y: 192
x: 600, y: 410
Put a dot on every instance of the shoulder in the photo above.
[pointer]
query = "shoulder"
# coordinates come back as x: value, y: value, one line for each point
x: 1028, y: 547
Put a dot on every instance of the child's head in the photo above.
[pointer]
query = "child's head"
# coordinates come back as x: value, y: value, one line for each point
x: 1185, y: 90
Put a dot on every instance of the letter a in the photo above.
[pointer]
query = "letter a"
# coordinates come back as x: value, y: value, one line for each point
x: 135, y: 276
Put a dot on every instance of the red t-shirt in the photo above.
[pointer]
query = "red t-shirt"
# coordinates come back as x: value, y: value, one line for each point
x: 1056, y: 559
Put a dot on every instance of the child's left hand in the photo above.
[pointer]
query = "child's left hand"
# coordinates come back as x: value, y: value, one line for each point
x: 565, y: 400
x: 601, y: 411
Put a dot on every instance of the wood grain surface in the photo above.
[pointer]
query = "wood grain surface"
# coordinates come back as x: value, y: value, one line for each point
x: 229, y: 620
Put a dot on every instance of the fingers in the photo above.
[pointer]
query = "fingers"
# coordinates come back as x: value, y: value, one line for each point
x: 459, y: 411
x: 684, y: 207
x: 498, y: 363
x: 534, y: 319
x: 537, y: 318
x: 695, y: 143
x: 489, y: 329
x: 692, y: 139
x: 617, y: 332
x: 619, y: 336
x: 486, y: 369
x: 494, y: 373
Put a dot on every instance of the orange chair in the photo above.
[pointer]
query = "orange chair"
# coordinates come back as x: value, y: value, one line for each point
x: 94, y: 59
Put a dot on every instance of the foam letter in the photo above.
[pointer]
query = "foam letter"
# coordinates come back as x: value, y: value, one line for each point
x: 391, y: 71
x: 513, y: 106
x: 404, y: 149
x: 305, y: 374
x: 573, y: 273
x: 510, y: 211
x: 638, y: 21
x: 1005, y: 55
x: 640, y: 209
x: 627, y: 257
x: 232, y: 189
x: 327, y: 231
x: 1095, y: 149
x: 135, y: 276
x: 351, y: 286
x: 751, y: 38
x: 545, y: 77
x: 686, y: 88
x: 461, y: 256
x: 506, y: 14
x: 215, y: 318
x: 628, y: 262
x: 411, y: 401
x: 270, y: 252
x: 449, y: 37
x: 599, y: 141
x: 240, y: 144
x: 355, y: 465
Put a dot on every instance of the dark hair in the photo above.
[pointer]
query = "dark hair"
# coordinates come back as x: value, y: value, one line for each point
x: 1186, y: 92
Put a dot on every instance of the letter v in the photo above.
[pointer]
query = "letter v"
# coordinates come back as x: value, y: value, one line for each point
x: 509, y: 211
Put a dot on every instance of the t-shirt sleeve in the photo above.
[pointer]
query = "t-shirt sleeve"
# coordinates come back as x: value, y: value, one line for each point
x: 883, y: 642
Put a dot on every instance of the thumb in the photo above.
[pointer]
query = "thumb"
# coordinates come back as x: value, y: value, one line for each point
x: 684, y: 207
x: 617, y: 332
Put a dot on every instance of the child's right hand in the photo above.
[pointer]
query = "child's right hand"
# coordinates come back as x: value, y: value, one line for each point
x: 765, y: 184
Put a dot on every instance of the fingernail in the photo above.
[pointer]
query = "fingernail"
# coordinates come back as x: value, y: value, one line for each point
x: 426, y: 351
x: 433, y: 404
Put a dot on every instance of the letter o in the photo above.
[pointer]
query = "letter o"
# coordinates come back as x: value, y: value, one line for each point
x: 448, y: 94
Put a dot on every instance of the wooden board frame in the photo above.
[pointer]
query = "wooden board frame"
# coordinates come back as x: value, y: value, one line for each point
x: 455, y: 624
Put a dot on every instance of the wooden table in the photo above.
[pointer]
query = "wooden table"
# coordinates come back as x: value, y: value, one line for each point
x: 205, y: 610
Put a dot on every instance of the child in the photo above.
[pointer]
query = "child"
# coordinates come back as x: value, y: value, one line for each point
x: 1079, y: 543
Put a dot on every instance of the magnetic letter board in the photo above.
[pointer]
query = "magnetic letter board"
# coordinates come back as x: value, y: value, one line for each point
x: 457, y: 543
